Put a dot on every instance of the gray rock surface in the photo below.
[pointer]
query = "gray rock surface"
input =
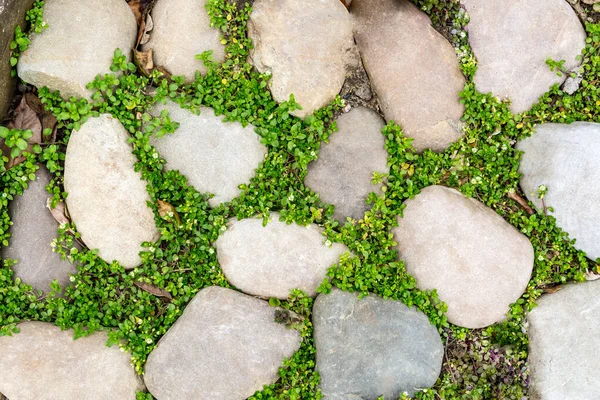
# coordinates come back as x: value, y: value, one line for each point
x: 278, y: 258
x: 512, y: 39
x: 564, y: 158
x: 181, y: 31
x: 78, y: 44
x: 32, y: 232
x: 43, y: 362
x: 372, y: 347
x: 215, y: 156
x: 564, y: 338
x: 343, y: 171
x: 226, y: 345
x: 107, y: 198
x: 413, y: 69
x: 305, y: 45
x: 479, y: 263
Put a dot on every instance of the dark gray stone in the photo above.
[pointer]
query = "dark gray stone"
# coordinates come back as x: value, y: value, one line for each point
x: 372, y: 347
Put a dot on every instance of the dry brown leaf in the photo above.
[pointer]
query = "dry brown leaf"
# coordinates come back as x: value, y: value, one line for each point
x: 59, y: 212
x: 522, y: 202
x: 590, y: 276
x: 136, y: 9
x: 34, y: 102
x: 166, y: 210
x: 143, y: 59
x: 148, y: 26
x: 346, y: 3
x: 158, y: 292
x: 49, y: 122
x: 552, y: 289
x: 164, y: 71
x: 27, y: 118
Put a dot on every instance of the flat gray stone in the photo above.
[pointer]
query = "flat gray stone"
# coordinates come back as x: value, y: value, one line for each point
x: 78, y: 44
x: 564, y: 158
x: 413, y: 69
x: 215, y: 156
x: 512, y: 39
x: 479, y: 263
x: 107, y: 198
x: 564, y: 338
x: 181, y: 31
x: 372, y: 347
x: 278, y: 257
x: 43, y: 362
x: 226, y: 345
x: 342, y: 174
x: 32, y: 232
x: 305, y: 46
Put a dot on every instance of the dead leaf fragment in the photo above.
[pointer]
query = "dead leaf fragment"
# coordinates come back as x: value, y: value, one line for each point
x: 143, y: 60
x: 136, y: 9
x: 148, y: 26
x: 552, y: 289
x: 59, y: 212
x: 167, y: 210
x: 27, y: 118
x: 522, y: 202
x: 590, y: 276
x: 156, y: 291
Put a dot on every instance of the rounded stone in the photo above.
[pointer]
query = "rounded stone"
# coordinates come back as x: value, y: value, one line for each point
x: 478, y: 263
x: 107, y: 199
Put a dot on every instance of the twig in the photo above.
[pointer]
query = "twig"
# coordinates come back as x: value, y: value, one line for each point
x: 522, y: 202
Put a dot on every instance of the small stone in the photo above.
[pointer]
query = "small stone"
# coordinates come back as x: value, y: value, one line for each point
x: 32, y: 232
x: 181, y: 31
x: 279, y: 258
x: 44, y: 362
x: 414, y: 70
x: 564, y: 159
x: 571, y: 84
x: 107, y: 198
x: 478, y: 262
x: 216, y: 156
x: 564, y: 338
x: 372, y: 347
x: 226, y: 345
x: 512, y: 39
x: 342, y: 174
x: 305, y: 46
x: 78, y: 44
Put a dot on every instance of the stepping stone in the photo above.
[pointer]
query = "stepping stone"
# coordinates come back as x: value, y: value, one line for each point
x: 78, y: 44
x: 278, y: 258
x: 512, y: 39
x: 107, y: 198
x: 44, y: 362
x: 226, y: 345
x: 342, y: 174
x: 305, y: 46
x: 564, y: 338
x: 413, y: 69
x: 479, y: 263
x: 564, y: 158
x: 181, y: 31
x: 372, y: 347
x: 216, y: 156
x: 32, y: 232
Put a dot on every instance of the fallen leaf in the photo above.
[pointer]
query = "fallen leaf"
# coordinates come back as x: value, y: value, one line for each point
x: 59, y: 212
x: 346, y: 3
x: 590, y: 276
x: 522, y: 202
x: 143, y: 59
x: 552, y: 289
x: 167, y: 210
x: 27, y: 118
x: 158, y: 292
x: 49, y: 122
x: 136, y: 9
x: 148, y: 26
x: 34, y: 102
x: 164, y: 71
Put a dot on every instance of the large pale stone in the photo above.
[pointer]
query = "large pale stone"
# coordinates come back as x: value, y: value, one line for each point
x: 43, y: 362
x: 478, y: 262
x: 215, y: 156
x: 564, y: 338
x: 512, y: 39
x: 78, y: 44
x: 305, y: 45
x: 226, y: 345
x: 414, y: 70
x: 372, y: 347
x: 33, y: 230
x: 107, y: 198
x: 181, y: 31
x: 564, y: 158
x: 342, y: 174
x: 270, y: 261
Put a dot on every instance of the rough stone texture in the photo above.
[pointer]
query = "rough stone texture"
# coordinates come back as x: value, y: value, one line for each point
x: 215, y: 156
x: 342, y: 174
x: 478, y: 262
x: 12, y: 13
x: 372, y: 347
x: 305, y: 45
x: 413, y: 68
x: 564, y: 158
x: 32, y: 232
x: 564, y: 338
x: 181, y: 31
x: 107, y: 198
x: 278, y: 258
x: 226, y: 345
x: 78, y: 44
x: 43, y: 362
x: 512, y: 39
